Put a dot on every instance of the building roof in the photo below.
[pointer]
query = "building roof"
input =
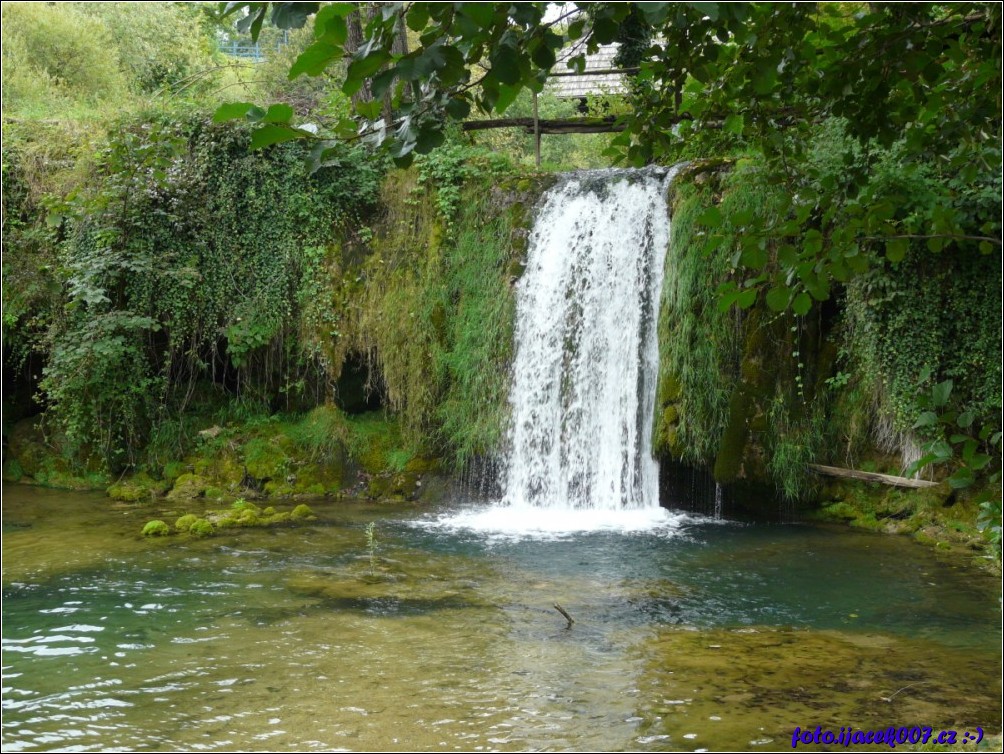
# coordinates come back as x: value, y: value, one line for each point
x: 574, y: 87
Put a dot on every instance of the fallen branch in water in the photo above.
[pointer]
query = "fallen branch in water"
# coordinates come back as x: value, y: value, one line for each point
x: 567, y: 617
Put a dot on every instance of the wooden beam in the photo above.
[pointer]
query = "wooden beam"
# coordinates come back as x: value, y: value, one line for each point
x: 559, y: 126
x: 870, y: 476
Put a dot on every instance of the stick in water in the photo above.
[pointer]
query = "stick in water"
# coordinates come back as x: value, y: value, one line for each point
x: 568, y: 617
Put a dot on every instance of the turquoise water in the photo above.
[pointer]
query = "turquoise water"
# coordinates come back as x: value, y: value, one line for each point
x: 695, y: 635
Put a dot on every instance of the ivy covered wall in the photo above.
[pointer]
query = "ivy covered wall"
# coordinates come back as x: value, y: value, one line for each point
x: 170, y: 283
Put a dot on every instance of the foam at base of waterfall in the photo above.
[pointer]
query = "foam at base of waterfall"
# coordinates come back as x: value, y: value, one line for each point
x: 498, y: 522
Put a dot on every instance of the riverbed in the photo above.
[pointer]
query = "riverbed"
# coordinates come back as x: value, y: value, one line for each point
x: 389, y: 627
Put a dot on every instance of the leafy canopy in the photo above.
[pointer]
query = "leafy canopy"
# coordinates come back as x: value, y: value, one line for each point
x: 922, y: 79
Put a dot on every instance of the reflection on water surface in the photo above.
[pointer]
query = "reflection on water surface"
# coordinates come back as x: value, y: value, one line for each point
x: 698, y: 635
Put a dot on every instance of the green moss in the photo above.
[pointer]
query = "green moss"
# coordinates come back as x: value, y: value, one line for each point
x: 240, y: 505
x: 728, y: 462
x: 156, y: 528
x: 269, y: 511
x: 184, y: 523
x: 670, y: 388
x: 280, y: 518
x: 201, y: 528
x: 249, y: 518
x: 214, y: 493
x: 173, y: 470
x: 187, y: 487
x: 12, y: 471
x: 278, y: 489
x: 839, y: 512
x: 266, y: 458
x: 138, y: 488
x: 302, y: 512
x: 223, y: 519
x: 867, y: 521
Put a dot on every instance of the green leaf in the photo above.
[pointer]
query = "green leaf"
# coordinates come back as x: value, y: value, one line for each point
x: 605, y: 30
x: 314, y: 59
x: 360, y: 70
x: 778, y: 298
x: 926, y: 419
x: 278, y: 114
x: 733, y: 123
x: 543, y: 57
x: 507, y: 95
x: 765, y: 78
x: 382, y: 81
x: 941, y: 392
x: 292, y: 15
x: 711, y: 217
x: 231, y: 111
x: 369, y: 109
x: 429, y: 137
x: 726, y: 299
x: 274, y: 134
x: 966, y: 419
x: 576, y: 28
x: 813, y: 242
x: 746, y: 298
x: 458, y: 108
x: 418, y: 16
x: 896, y: 248
x: 480, y: 13
x: 961, y: 479
x: 505, y: 65
x: 802, y: 304
x: 754, y: 253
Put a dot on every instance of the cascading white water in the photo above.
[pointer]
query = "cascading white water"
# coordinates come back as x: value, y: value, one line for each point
x: 586, y: 362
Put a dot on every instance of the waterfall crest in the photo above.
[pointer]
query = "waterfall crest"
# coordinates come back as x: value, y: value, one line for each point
x: 586, y: 360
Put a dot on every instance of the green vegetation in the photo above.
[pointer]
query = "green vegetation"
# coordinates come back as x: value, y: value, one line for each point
x: 156, y: 528
x: 207, y: 309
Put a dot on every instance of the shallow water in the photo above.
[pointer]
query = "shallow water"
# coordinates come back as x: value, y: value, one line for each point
x: 687, y: 636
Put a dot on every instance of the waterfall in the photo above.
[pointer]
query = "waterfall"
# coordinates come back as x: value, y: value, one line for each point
x: 586, y: 359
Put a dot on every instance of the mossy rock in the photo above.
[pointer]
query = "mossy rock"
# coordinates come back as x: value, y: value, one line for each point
x: 867, y: 521
x: 278, y: 488
x: 201, y: 528
x: 214, y: 493
x: 156, y: 528
x: 838, y: 511
x: 423, y: 465
x: 249, y: 518
x: 188, y: 487
x: 302, y: 513
x: 282, y: 517
x: 223, y: 519
x: 184, y: 523
x: 729, y: 461
x: 241, y: 505
x: 138, y: 488
x: 266, y: 458
x: 670, y: 389
x: 269, y: 511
